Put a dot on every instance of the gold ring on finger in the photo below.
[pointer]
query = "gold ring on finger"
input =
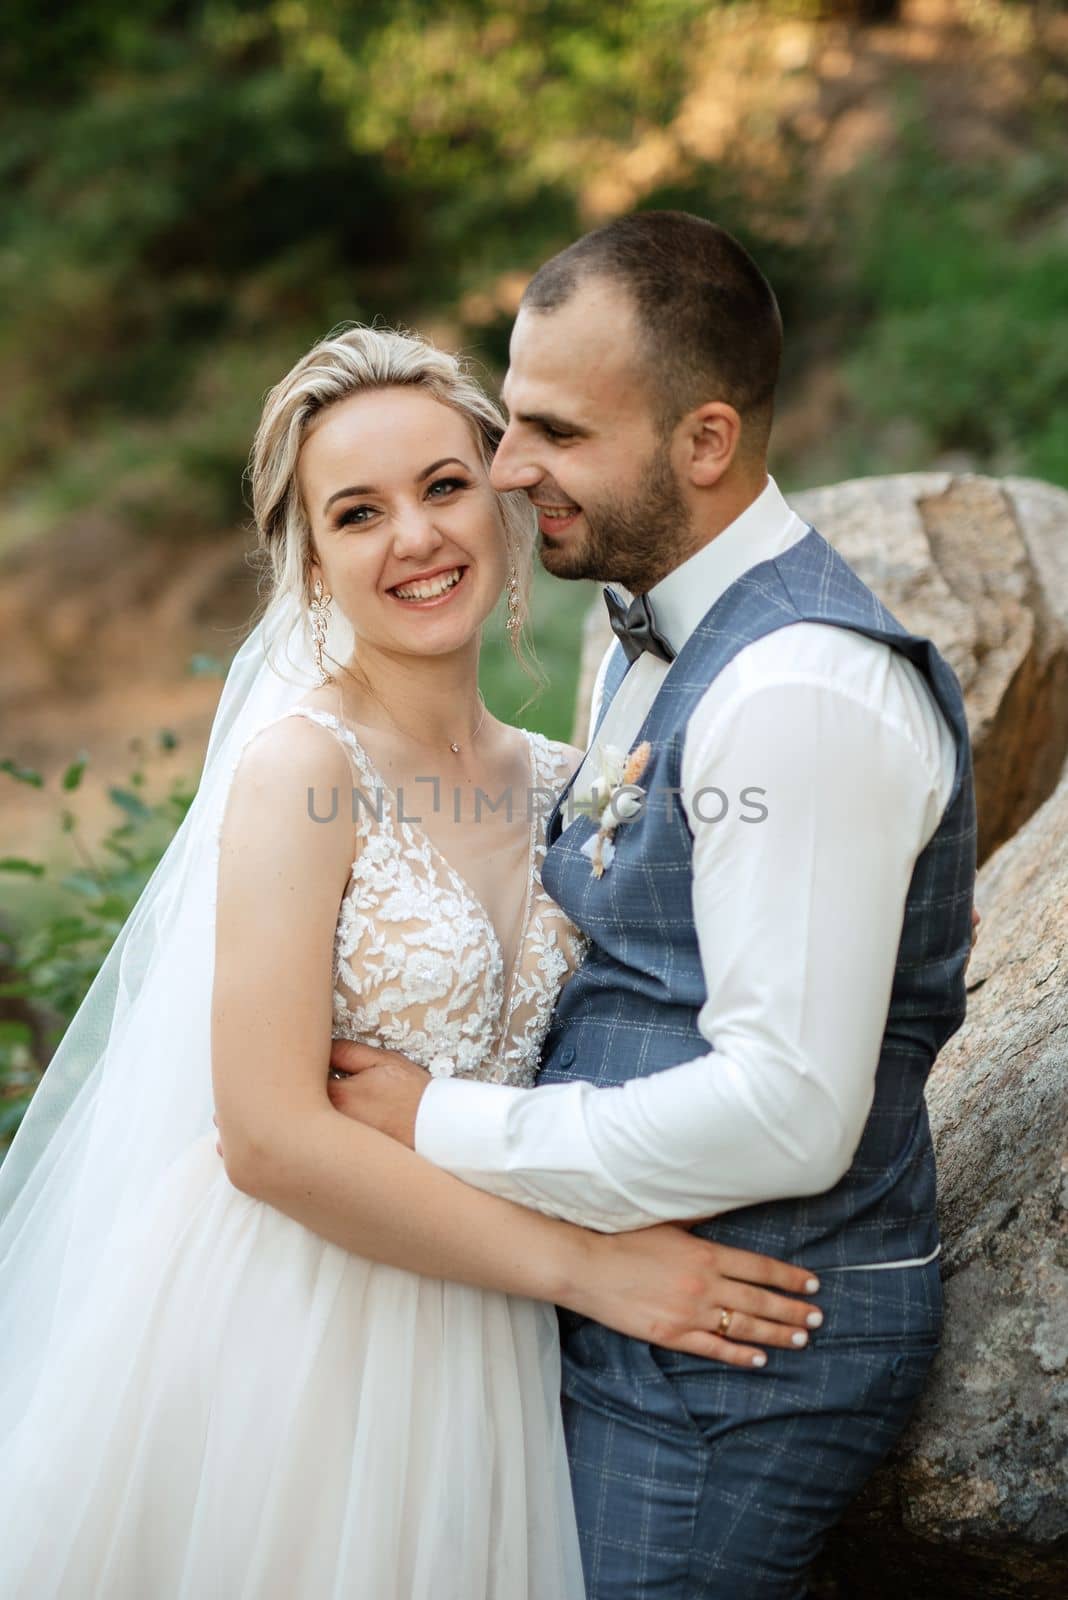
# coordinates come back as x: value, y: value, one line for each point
x: 724, y: 1323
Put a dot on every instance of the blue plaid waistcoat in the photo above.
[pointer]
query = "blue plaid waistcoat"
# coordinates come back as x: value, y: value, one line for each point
x: 632, y: 1007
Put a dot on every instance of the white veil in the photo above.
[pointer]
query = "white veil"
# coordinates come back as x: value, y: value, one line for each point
x: 129, y: 1087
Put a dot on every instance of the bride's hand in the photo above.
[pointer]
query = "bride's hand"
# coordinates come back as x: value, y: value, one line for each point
x: 665, y: 1286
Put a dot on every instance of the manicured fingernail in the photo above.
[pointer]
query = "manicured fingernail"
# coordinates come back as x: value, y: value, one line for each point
x: 815, y: 1319
x: 812, y: 1286
x: 760, y: 1360
x: 799, y: 1339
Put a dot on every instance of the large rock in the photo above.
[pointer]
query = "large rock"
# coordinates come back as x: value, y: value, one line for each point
x: 975, y: 1499
x: 981, y: 567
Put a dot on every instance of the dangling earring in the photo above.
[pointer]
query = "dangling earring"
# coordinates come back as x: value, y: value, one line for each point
x: 320, y: 613
x: 515, y: 615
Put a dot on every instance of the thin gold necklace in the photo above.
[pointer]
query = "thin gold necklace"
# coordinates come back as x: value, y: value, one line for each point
x: 453, y: 745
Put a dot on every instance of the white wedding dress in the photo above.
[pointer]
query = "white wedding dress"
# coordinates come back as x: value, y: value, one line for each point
x: 251, y: 1413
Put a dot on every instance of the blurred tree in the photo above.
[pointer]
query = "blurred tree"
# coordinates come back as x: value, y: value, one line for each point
x: 192, y: 189
x: 493, y: 104
x: 142, y: 196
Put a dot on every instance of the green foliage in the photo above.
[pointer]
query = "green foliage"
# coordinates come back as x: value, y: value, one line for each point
x: 557, y: 610
x: 192, y: 190
x: 963, y: 292
x: 52, y: 950
x: 488, y: 107
x: 166, y: 225
x: 21, y: 774
x: 214, y: 184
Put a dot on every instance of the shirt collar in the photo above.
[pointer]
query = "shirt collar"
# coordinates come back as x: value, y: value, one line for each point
x: 765, y: 529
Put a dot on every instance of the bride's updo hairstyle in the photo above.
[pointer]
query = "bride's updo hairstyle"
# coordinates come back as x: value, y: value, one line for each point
x: 356, y: 361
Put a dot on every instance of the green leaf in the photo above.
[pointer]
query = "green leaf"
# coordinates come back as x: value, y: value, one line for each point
x: 74, y: 773
x: 21, y: 774
x: 131, y: 803
x: 32, y: 869
x: 168, y: 739
x: 113, y: 846
x: 67, y: 930
x: 114, y: 907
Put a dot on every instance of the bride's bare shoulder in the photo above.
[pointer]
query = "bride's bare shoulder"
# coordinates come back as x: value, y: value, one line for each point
x: 288, y: 756
x: 292, y: 775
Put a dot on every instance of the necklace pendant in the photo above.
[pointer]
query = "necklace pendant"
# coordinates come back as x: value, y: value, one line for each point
x: 455, y: 748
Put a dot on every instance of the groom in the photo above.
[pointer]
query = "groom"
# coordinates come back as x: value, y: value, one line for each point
x: 779, y: 936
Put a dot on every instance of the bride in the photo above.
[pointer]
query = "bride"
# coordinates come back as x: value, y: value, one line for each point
x: 321, y: 1367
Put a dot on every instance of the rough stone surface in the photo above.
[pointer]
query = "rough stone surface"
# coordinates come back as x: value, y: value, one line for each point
x: 981, y: 567
x: 975, y: 1499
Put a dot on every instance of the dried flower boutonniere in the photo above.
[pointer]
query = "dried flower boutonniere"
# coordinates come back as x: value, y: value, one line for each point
x: 616, y: 797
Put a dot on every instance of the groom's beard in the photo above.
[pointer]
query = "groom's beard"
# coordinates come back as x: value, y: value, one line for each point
x: 634, y: 542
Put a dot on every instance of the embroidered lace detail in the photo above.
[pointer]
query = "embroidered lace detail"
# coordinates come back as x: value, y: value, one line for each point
x: 418, y: 965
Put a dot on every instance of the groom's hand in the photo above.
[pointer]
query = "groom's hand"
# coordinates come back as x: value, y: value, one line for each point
x: 383, y: 1091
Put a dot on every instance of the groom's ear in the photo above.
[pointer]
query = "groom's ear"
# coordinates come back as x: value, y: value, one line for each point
x: 711, y: 437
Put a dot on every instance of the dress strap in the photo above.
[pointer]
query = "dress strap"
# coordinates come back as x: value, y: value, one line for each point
x: 344, y: 736
x: 552, y: 768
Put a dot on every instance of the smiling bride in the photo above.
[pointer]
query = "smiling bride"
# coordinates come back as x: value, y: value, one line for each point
x: 320, y: 1366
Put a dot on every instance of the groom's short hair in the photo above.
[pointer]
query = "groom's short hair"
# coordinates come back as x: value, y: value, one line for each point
x: 709, y: 320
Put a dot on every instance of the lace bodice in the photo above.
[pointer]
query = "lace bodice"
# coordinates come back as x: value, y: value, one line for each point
x: 418, y: 965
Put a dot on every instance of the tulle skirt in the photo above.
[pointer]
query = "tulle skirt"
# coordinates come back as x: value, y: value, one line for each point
x: 247, y: 1412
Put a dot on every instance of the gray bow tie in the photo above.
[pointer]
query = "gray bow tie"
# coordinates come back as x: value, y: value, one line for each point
x: 634, y: 627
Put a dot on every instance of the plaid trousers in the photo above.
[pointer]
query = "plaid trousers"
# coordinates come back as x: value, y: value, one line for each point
x: 698, y: 1481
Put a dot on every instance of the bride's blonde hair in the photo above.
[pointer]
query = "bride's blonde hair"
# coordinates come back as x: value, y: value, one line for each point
x: 356, y: 360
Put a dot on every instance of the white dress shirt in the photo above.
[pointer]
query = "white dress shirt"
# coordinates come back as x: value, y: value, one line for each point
x: 798, y: 920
